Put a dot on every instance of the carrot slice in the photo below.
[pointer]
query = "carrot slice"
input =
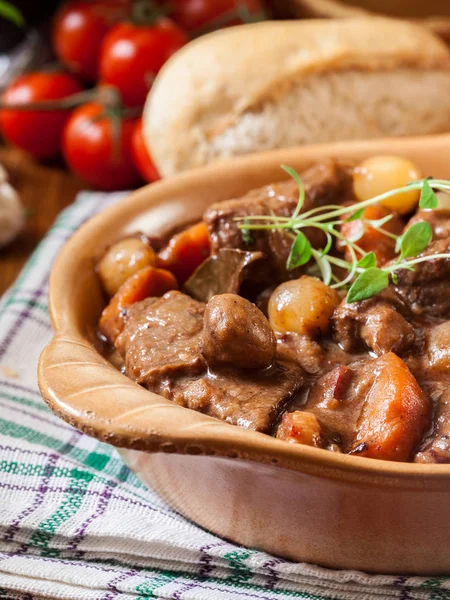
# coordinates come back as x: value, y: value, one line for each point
x: 149, y: 281
x: 186, y: 251
x: 395, y: 415
x: 373, y: 240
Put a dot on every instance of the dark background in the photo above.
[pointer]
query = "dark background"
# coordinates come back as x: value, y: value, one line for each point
x: 37, y: 13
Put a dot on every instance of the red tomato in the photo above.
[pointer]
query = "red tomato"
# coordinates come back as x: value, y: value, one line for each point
x: 196, y: 14
x: 142, y: 156
x: 132, y: 55
x: 37, y: 132
x: 94, y: 154
x: 79, y: 30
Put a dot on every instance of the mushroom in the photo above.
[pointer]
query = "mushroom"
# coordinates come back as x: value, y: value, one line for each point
x: 236, y: 333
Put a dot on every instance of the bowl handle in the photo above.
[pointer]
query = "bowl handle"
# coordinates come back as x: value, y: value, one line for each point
x: 88, y: 392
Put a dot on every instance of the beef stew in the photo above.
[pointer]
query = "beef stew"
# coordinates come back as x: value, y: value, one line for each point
x: 320, y: 317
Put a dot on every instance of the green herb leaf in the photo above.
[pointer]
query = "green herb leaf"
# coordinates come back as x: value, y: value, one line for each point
x: 355, y: 216
x: 368, y: 284
x: 428, y: 198
x: 246, y: 234
x: 415, y: 239
x: 394, y: 278
x: 11, y: 13
x: 300, y: 252
x: 368, y: 261
x: 301, y: 200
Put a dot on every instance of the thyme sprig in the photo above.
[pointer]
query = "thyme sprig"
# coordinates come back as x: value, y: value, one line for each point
x: 364, y: 278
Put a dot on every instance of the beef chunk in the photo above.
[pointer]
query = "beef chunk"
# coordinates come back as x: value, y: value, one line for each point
x: 325, y: 183
x: 160, y: 340
x: 240, y: 397
x: 426, y: 289
x: 438, y: 219
x: 437, y: 356
x: 301, y: 349
x: 336, y: 399
x: 437, y: 448
x: 379, y: 323
x: 160, y: 345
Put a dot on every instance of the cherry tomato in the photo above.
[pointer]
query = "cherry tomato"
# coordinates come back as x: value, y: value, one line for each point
x: 37, y: 132
x: 196, y: 14
x: 132, y: 55
x: 141, y: 155
x: 79, y: 29
x: 95, y: 152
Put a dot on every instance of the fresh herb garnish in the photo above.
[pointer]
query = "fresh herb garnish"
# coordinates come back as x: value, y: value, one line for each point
x: 364, y: 279
x: 428, y: 198
x: 369, y: 283
x: 300, y: 251
x: 415, y: 239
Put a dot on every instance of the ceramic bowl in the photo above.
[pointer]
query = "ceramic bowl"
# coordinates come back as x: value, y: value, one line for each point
x: 294, y: 501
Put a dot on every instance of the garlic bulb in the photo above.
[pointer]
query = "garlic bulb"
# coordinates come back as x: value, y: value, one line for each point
x: 12, y: 215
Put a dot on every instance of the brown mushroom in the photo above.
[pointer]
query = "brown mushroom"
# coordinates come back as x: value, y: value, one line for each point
x: 235, y: 332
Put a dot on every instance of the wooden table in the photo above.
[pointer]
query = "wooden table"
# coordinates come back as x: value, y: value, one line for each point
x: 44, y: 191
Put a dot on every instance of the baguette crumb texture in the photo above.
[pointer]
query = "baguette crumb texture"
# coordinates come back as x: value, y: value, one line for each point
x: 348, y: 105
x: 279, y: 84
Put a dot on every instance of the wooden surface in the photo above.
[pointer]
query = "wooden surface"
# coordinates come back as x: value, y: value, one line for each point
x: 44, y: 190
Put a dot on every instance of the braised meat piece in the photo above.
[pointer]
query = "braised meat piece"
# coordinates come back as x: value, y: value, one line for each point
x: 160, y: 340
x: 161, y: 344
x: 437, y: 448
x: 379, y: 323
x: 374, y: 408
x: 236, y: 333
x: 438, y: 219
x: 426, y: 288
x: 337, y: 397
x: 326, y: 183
x: 436, y: 358
x: 251, y: 399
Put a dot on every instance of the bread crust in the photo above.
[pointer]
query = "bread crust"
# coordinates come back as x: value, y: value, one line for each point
x: 211, y: 82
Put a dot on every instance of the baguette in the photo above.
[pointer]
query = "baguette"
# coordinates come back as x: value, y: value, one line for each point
x: 283, y: 83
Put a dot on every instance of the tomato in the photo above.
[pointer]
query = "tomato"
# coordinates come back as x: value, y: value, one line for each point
x: 37, y: 132
x: 93, y: 153
x: 141, y: 155
x: 196, y: 14
x: 132, y: 55
x: 79, y: 29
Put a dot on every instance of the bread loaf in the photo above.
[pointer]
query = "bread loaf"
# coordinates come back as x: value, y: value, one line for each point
x: 284, y: 83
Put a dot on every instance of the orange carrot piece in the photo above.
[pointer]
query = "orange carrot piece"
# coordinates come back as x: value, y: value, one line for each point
x: 373, y: 240
x: 395, y: 415
x: 186, y: 251
x: 149, y: 281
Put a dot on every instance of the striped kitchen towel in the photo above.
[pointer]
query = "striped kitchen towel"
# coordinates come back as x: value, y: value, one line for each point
x: 77, y: 524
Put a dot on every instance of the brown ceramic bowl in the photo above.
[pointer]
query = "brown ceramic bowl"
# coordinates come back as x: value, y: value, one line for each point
x: 290, y: 500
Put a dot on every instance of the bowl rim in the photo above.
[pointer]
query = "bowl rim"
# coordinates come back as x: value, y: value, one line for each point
x: 77, y: 382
